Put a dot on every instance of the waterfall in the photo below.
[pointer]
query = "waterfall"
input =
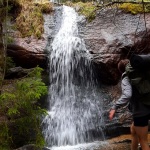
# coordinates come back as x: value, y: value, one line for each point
x: 75, y: 105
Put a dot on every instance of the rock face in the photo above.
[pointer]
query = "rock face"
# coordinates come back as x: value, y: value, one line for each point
x: 29, y: 52
x: 25, y: 57
x: 115, y: 35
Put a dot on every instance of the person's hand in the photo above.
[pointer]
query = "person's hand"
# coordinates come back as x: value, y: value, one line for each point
x: 111, y: 114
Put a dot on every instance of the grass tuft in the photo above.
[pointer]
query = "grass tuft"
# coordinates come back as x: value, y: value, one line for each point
x: 30, y: 20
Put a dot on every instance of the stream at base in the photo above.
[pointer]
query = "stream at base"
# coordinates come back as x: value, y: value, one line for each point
x: 97, y: 145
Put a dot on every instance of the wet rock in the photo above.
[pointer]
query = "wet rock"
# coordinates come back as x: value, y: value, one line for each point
x: 28, y: 147
x: 114, y: 35
x: 17, y: 72
x: 25, y: 57
x: 30, y: 52
x: 31, y: 147
x: 122, y: 142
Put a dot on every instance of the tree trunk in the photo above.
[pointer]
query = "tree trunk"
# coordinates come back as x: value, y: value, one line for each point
x: 3, y: 42
x: 1, y: 56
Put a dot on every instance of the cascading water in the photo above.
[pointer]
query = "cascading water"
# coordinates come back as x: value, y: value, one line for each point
x: 75, y: 106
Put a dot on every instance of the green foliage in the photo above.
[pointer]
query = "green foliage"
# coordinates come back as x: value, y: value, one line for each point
x: 10, y: 39
x: 135, y: 8
x: 45, y: 6
x: 87, y: 9
x: 28, y: 15
x: 30, y: 19
x: 9, y: 63
x: 20, y: 104
x: 4, y: 137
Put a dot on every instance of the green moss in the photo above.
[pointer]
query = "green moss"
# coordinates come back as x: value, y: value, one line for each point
x: 135, y: 8
x: 87, y: 9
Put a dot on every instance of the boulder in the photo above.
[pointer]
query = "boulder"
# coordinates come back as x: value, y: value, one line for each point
x: 26, y: 58
x: 17, y: 72
x: 31, y: 147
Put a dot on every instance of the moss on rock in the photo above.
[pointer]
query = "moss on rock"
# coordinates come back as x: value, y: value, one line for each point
x: 135, y: 8
x: 30, y: 20
x: 86, y: 9
x: 45, y: 6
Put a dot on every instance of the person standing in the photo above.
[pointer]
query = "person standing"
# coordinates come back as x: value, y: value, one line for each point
x: 140, y: 112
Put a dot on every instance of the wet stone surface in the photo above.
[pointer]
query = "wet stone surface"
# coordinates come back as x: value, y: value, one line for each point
x: 122, y: 142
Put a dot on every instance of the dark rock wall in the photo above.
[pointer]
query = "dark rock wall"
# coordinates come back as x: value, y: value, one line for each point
x: 115, y: 35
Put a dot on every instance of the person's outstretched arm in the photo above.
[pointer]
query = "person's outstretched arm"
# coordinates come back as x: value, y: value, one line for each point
x: 124, y: 98
x: 111, y: 114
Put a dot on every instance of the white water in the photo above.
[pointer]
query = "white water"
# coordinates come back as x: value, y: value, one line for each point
x: 87, y: 146
x: 74, y: 103
x: 55, y: 1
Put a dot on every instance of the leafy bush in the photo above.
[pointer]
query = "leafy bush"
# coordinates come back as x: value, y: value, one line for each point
x: 19, y: 105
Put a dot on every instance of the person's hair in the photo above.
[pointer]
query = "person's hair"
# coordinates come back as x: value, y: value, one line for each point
x: 122, y: 64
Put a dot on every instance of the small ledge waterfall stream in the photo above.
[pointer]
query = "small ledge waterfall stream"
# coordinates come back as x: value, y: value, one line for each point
x: 75, y: 111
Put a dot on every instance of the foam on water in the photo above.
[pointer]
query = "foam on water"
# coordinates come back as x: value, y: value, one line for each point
x: 86, y: 146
